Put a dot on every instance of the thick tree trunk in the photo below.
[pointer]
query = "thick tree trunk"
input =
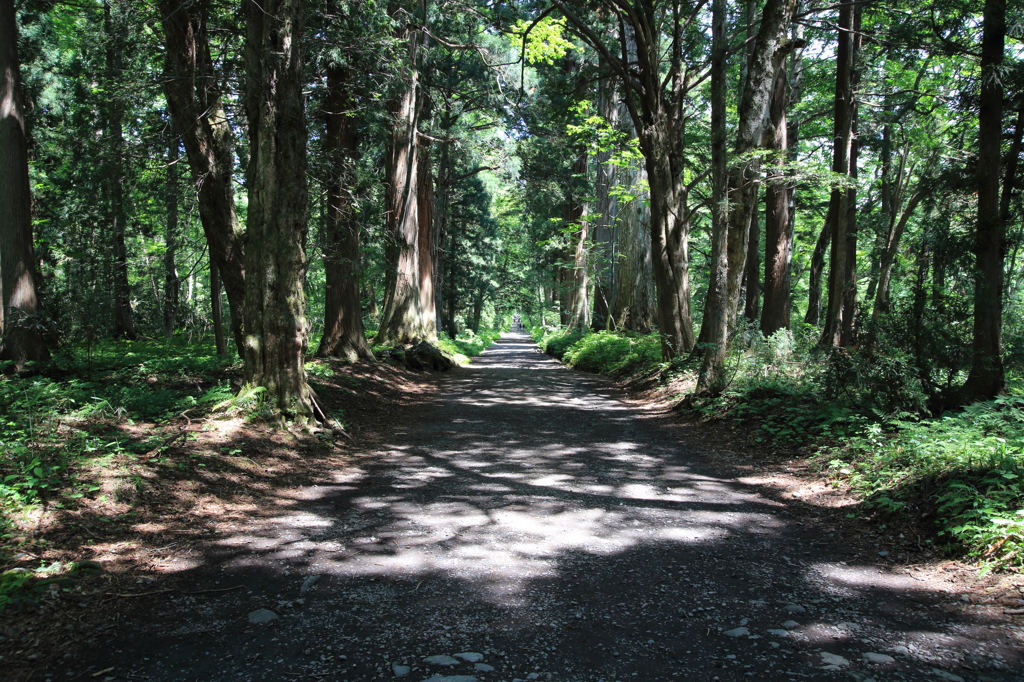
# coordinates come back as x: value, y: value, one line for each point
x: 987, y: 378
x: 117, y: 216
x: 839, y: 200
x: 172, y: 283
x: 634, y: 300
x: 343, y: 335
x: 275, y: 258
x: 778, y: 244
x: 478, y: 309
x: 22, y: 338
x: 196, y: 105
x: 408, y: 316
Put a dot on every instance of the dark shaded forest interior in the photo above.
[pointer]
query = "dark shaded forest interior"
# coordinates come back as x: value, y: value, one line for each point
x: 252, y: 249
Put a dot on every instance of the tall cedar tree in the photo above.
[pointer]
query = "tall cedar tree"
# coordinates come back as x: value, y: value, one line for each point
x: 770, y: 49
x: 343, y: 336
x: 987, y: 378
x: 22, y: 339
x: 275, y: 253
x: 408, y: 314
x: 116, y: 31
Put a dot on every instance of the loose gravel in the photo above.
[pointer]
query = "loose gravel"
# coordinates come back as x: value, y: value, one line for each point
x: 528, y: 524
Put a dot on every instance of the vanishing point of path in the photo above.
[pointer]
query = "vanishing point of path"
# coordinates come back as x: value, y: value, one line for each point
x: 531, y: 521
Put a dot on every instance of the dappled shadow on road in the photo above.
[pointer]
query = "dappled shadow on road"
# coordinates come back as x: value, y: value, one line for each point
x: 531, y: 516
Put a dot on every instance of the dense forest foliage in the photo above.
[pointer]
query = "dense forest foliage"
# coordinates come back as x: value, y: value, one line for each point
x: 811, y: 208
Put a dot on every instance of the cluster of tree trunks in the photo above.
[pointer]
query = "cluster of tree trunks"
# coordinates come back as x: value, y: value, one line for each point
x: 195, y: 102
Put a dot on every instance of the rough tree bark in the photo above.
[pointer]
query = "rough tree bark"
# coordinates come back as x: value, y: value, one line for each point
x: 778, y: 244
x: 987, y: 378
x: 196, y: 106
x: 22, y: 340
x: 653, y: 93
x: 634, y: 301
x: 408, y: 314
x: 275, y: 258
x: 343, y: 335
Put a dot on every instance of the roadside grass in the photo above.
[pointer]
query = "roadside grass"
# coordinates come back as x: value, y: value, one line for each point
x: 860, y: 417
x: 962, y: 471
x: 468, y: 345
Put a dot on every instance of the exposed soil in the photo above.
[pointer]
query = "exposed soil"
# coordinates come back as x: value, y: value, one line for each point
x: 532, y: 517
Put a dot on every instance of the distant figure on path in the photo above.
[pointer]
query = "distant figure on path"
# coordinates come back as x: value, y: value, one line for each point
x: 517, y: 323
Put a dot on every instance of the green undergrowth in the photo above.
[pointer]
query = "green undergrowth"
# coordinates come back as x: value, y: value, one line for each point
x: 53, y: 425
x: 962, y: 471
x: 468, y: 345
x: 861, y: 416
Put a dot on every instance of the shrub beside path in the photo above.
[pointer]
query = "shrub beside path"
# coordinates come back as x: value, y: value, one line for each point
x: 528, y: 523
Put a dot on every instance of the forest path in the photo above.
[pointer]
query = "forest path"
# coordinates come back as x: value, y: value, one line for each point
x: 530, y: 518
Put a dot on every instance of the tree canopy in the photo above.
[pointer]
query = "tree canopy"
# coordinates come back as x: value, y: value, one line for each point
x: 701, y: 170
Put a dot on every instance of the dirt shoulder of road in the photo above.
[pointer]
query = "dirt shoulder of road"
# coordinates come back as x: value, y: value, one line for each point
x: 214, y: 473
x: 815, y: 499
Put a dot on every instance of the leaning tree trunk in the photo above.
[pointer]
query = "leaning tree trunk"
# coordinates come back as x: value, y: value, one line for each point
x: 344, y: 336
x: 406, y: 318
x: 196, y: 106
x: 277, y: 226
x: 124, y: 316
x: 22, y: 339
x: 987, y: 378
